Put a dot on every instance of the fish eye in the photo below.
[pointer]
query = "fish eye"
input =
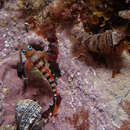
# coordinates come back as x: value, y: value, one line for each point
x: 29, y: 47
x: 24, y: 51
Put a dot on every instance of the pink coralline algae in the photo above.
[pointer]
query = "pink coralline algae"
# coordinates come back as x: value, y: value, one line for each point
x: 79, y: 120
x: 91, y: 98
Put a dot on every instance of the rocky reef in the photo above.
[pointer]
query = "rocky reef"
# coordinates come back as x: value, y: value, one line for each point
x: 93, y: 59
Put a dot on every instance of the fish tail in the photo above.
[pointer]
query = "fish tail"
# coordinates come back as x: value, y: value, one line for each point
x: 52, y: 83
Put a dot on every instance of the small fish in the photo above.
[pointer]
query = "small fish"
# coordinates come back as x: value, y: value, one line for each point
x: 39, y: 60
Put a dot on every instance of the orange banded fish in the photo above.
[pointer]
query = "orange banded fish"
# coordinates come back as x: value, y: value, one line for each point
x: 39, y: 59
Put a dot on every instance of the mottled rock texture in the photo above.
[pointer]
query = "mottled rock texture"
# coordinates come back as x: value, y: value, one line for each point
x: 91, y: 98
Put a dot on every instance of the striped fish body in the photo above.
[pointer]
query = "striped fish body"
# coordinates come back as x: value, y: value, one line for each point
x: 39, y: 61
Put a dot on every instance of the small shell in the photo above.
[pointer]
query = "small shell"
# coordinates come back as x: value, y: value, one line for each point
x: 29, y: 115
x: 125, y: 14
x: 102, y: 43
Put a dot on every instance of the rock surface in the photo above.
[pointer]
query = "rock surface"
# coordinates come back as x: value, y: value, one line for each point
x: 91, y: 98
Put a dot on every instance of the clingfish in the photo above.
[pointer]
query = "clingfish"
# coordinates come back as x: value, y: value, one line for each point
x: 39, y: 59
